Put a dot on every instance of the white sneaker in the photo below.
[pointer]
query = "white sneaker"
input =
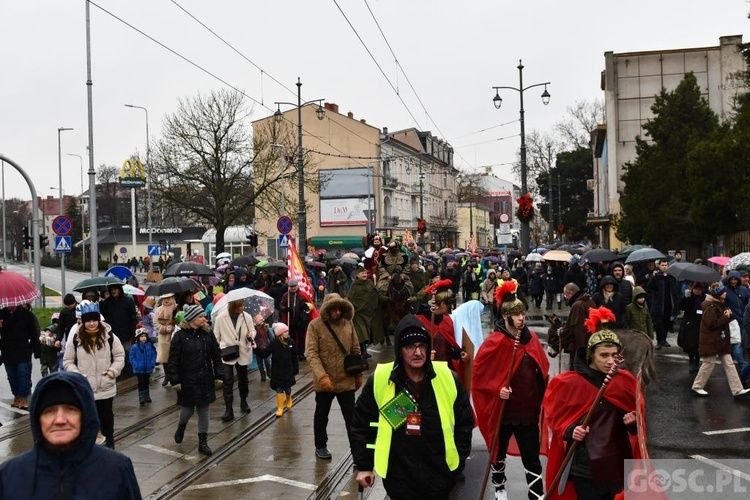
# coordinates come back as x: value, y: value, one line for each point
x: 501, y: 494
x: 741, y: 393
x: 700, y: 392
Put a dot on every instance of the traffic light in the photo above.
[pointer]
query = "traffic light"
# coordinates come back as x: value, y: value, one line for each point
x: 253, y: 239
x: 26, y: 238
x: 421, y: 226
x: 43, y: 241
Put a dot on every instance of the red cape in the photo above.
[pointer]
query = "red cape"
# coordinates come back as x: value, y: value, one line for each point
x: 568, y: 398
x: 446, y: 330
x: 490, y: 374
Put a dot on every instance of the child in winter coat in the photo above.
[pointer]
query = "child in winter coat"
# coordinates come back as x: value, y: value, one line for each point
x: 143, y: 359
x: 285, y: 365
x: 637, y: 315
x: 48, y: 351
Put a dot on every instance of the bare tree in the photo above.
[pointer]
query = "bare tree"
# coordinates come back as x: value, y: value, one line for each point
x: 444, y: 227
x: 582, y: 118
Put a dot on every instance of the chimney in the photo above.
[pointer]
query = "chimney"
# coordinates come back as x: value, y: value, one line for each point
x: 331, y: 106
x: 350, y: 115
x: 385, y: 130
x: 363, y: 121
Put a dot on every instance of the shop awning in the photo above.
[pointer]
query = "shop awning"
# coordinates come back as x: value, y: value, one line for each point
x: 336, y: 241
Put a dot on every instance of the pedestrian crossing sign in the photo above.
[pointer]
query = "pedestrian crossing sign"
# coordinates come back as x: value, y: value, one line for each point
x: 283, y: 241
x: 62, y: 244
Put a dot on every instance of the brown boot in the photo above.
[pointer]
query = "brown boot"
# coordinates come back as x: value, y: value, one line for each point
x: 262, y: 375
x: 23, y: 403
x: 14, y: 404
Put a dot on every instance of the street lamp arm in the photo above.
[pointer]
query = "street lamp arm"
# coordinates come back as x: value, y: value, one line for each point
x: 535, y: 85
x: 295, y: 104
x: 507, y: 88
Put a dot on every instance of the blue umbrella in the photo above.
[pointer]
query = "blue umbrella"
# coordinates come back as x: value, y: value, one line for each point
x: 120, y: 272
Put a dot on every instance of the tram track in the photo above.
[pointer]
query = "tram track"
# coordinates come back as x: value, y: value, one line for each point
x: 335, y: 479
x: 189, y: 476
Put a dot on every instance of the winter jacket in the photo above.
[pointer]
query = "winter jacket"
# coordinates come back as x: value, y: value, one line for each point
x: 368, y: 315
x: 550, y: 282
x: 228, y: 334
x: 638, y: 317
x: 575, y: 334
x: 575, y: 275
x: 142, y: 357
x: 65, y: 323
x: 416, y: 464
x: 616, y: 304
x: 714, y: 333
x: 624, y: 286
x: 292, y: 308
x: 737, y: 297
x: 82, y: 470
x: 285, y: 362
x: 663, y: 295
x: 19, y: 335
x: 324, y: 356
x: 163, y: 320
x: 94, y: 365
x: 689, y: 334
x: 536, y: 285
x: 488, y: 290
x: 195, y: 364
x: 121, y: 316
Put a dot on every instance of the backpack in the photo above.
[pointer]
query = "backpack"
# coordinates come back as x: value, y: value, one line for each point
x: 111, y: 342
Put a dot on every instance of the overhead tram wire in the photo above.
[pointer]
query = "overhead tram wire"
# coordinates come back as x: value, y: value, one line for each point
x: 484, y: 130
x: 212, y: 75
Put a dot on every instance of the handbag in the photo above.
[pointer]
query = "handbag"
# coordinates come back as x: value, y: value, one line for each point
x: 232, y: 352
x: 354, y: 364
x: 735, y: 334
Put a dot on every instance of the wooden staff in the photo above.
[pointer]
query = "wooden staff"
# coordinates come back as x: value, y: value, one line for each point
x: 496, y: 439
x: 586, y: 421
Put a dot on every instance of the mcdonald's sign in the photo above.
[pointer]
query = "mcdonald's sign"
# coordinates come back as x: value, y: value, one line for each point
x: 132, y: 174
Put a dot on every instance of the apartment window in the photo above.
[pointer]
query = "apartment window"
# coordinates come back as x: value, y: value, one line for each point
x: 496, y: 207
x: 445, y: 209
x: 445, y: 179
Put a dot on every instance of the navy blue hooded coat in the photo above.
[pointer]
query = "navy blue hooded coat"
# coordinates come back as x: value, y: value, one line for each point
x: 82, y: 470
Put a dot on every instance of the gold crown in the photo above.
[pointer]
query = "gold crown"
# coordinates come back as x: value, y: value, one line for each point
x: 603, y: 337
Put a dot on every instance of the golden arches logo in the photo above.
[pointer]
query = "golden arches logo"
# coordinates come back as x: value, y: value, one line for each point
x: 132, y: 173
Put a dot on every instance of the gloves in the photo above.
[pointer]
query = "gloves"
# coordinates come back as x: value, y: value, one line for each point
x: 357, y: 381
x: 325, y: 384
x: 218, y: 383
x: 177, y: 387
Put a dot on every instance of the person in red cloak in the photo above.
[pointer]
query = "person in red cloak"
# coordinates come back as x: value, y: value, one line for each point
x: 439, y: 324
x: 597, y: 466
x: 522, y: 398
x: 372, y: 256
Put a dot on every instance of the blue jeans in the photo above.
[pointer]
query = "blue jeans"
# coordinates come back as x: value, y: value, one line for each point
x: 19, y: 378
x: 739, y: 358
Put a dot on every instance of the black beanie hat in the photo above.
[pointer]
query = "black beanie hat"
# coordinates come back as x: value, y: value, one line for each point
x: 57, y: 392
x: 412, y: 335
x: 69, y: 299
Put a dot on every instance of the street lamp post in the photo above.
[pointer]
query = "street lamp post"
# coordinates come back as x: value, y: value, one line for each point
x: 83, y: 218
x: 62, y: 208
x: 302, y: 213
x: 498, y: 101
x: 148, y: 170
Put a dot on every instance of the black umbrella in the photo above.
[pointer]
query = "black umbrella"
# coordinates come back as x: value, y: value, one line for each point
x: 276, y: 265
x: 358, y: 251
x: 172, y: 285
x: 599, y: 255
x: 244, y: 260
x: 188, y: 269
x: 98, y: 282
x: 644, y: 255
x: 687, y: 271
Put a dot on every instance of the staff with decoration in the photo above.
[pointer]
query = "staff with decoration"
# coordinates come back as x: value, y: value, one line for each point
x: 297, y: 306
x: 508, y: 405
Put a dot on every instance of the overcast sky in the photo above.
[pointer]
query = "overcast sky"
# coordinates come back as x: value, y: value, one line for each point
x: 452, y: 52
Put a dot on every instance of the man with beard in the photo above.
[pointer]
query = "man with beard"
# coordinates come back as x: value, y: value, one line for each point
x: 419, y: 452
x: 372, y: 256
x: 392, y: 261
x: 574, y: 335
x: 624, y: 286
x: 522, y: 398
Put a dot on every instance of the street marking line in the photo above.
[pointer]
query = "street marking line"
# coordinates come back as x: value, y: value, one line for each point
x: 264, y: 477
x: 165, y: 451
x: 15, y: 410
x: 727, y: 431
x: 720, y: 466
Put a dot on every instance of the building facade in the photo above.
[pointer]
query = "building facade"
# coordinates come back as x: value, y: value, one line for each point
x: 630, y: 82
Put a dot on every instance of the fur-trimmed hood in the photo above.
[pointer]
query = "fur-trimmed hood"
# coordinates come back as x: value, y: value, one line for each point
x: 334, y: 299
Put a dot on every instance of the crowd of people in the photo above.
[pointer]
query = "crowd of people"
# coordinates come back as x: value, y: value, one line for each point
x: 412, y: 422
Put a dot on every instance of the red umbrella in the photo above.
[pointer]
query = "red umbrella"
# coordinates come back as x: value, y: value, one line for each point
x: 16, y: 289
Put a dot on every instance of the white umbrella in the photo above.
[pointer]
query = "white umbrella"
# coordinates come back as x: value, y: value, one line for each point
x: 256, y: 303
x: 131, y: 290
x: 534, y: 257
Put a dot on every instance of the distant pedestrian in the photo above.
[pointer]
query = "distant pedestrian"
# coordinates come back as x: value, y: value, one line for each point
x: 285, y: 365
x: 47, y: 350
x: 264, y: 335
x: 235, y: 331
x: 19, y: 340
x: 143, y: 359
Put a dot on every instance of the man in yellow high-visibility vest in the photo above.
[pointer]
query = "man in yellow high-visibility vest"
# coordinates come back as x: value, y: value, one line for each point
x: 412, y: 424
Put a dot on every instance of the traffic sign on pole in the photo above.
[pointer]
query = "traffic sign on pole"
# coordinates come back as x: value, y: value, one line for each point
x: 62, y: 244
x: 284, y: 224
x: 154, y: 250
x: 283, y: 241
x: 62, y: 225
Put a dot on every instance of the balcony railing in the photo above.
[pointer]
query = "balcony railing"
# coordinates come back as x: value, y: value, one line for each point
x: 390, y: 182
x: 390, y: 221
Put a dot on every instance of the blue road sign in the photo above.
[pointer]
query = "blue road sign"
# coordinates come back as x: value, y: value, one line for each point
x: 284, y: 224
x: 154, y: 249
x: 283, y: 241
x: 62, y: 225
x: 62, y: 244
